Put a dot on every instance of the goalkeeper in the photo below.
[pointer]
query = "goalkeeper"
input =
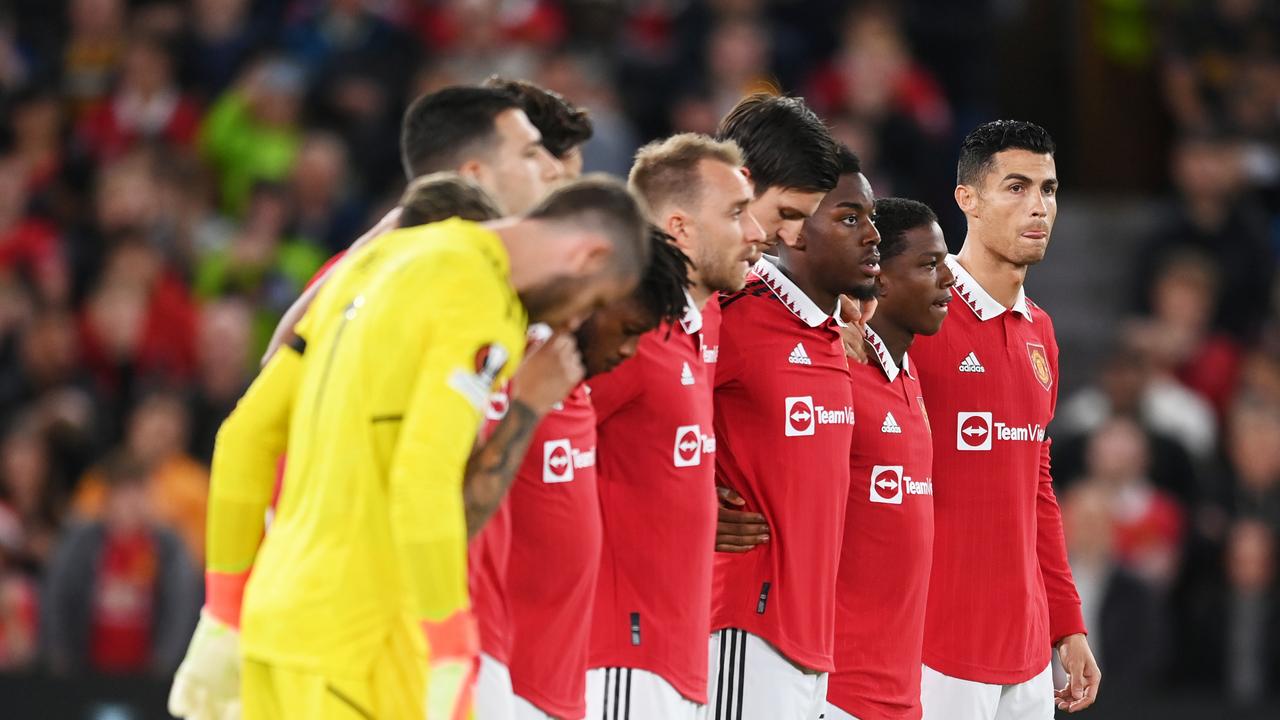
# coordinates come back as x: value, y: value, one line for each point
x: 378, y: 402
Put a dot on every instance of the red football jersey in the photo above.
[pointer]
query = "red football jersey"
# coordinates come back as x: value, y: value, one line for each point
x: 1000, y: 592
x: 888, y: 544
x: 783, y: 421
x: 657, y: 498
x: 488, y: 556
x: 554, y: 558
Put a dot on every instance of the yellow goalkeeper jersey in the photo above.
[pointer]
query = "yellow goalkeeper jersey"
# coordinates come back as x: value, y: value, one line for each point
x: 402, y: 347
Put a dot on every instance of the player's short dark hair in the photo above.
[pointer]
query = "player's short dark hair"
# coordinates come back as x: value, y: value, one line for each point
x: 662, y: 288
x: 848, y: 160
x: 443, y: 128
x: 784, y: 143
x: 440, y: 196
x: 603, y: 204
x: 563, y: 125
x: 979, y: 148
x: 894, y: 217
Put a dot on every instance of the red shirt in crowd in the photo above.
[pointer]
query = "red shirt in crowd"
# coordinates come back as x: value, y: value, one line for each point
x: 120, y: 629
x: 783, y: 422
x: 888, y: 544
x: 1001, y: 591
x: 657, y: 498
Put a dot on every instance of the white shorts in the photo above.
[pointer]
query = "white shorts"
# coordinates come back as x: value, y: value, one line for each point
x: 750, y: 680
x: 627, y: 693
x: 526, y: 710
x: 494, y: 699
x: 948, y: 698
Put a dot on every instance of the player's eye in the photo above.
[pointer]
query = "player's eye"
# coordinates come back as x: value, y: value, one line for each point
x: 1050, y: 189
x: 1016, y: 187
x: 849, y: 220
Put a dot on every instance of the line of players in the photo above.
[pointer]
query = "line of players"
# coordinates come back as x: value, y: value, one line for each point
x: 832, y: 575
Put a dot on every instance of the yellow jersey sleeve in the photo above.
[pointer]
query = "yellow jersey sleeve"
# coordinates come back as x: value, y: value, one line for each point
x: 245, y: 460
x: 474, y: 345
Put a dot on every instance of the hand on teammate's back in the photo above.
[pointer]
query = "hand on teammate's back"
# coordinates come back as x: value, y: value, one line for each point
x: 548, y: 374
x: 1083, y: 675
x: 737, y: 531
x: 855, y: 314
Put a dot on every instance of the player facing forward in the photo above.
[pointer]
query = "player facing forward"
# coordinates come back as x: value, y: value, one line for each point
x: 888, y: 531
x: 368, y: 543
x: 656, y: 448
x: 1001, y: 595
x: 783, y: 421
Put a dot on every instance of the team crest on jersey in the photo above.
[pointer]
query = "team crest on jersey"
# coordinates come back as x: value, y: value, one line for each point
x: 1040, y: 364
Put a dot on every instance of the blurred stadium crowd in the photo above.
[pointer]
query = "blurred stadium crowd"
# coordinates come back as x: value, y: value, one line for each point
x: 173, y: 171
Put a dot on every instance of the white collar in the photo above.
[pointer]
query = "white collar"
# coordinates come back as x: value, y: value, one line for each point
x: 790, y: 294
x: 691, y: 321
x: 978, y: 299
x: 887, y: 364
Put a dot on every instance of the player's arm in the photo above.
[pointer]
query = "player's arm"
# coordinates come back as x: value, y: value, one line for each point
x: 546, y: 376
x: 469, y: 340
x: 1066, y: 621
x: 245, y: 458
x: 284, y: 329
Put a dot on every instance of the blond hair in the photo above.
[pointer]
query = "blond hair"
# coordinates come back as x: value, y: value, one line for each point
x: 666, y: 171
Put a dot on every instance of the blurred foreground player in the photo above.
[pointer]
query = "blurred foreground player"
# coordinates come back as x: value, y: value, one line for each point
x: 563, y: 129
x: 554, y: 507
x: 888, y: 529
x: 1001, y: 596
x: 783, y: 421
x: 208, y: 682
x: 367, y: 549
x: 656, y: 448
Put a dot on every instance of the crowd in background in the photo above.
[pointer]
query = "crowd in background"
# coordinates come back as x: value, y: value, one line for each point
x: 173, y: 171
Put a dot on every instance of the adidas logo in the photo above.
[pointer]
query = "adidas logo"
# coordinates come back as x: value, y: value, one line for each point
x: 890, y: 425
x: 970, y: 364
x: 686, y: 375
x: 799, y: 356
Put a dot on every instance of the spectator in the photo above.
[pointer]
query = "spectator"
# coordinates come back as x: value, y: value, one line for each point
x: 1214, y: 215
x: 226, y: 363
x: 92, y: 50
x: 176, y: 486
x: 1233, y: 640
x: 220, y: 36
x: 138, y: 325
x: 1180, y: 336
x: 1121, y: 611
x: 262, y: 265
x: 251, y: 133
x: 27, y: 493
x: 1129, y: 385
x: 36, y: 125
x: 19, y: 600
x: 30, y: 247
x: 147, y: 105
x: 1252, y: 485
x: 1147, y: 523
x: 325, y: 212
x: 121, y: 596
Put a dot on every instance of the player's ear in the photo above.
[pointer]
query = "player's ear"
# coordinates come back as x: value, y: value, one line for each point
x: 587, y: 255
x: 966, y: 198
x: 746, y: 173
x: 473, y: 170
x: 678, y: 226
